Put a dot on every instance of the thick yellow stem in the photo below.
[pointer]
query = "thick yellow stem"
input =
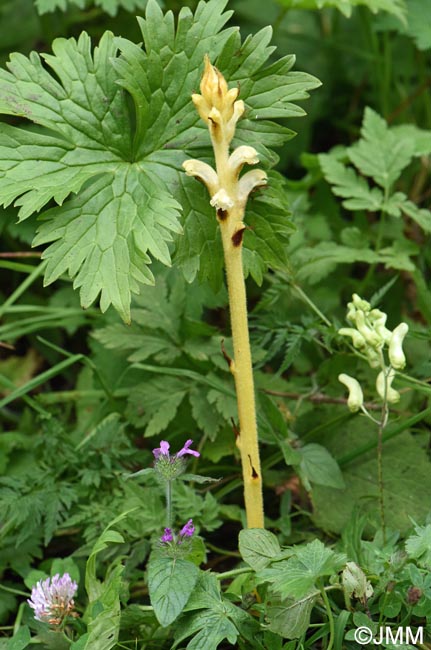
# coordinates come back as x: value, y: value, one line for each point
x: 247, y: 440
x: 219, y: 108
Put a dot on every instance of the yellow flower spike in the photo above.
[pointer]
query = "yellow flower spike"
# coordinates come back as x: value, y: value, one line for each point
x: 356, y: 397
x: 219, y: 107
x: 216, y: 101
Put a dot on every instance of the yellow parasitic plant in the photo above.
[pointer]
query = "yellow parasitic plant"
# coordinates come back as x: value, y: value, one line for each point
x: 221, y: 109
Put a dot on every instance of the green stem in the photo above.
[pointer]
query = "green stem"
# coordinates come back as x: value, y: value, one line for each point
x: 168, y: 504
x: 380, y: 481
x: 233, y: 572
x: 330, y: 618
x: 311, y: 304
x: 17, y: 592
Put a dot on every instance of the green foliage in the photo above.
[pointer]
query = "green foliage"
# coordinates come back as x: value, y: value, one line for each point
x: 258, y: 547
x: 299, y: 574
x: 402, y: 488
x: 125, y: 210
x: 211, y: 618
x: 170, y: 583
x: 382, y: 154
x: 395, y: 7
x: 93, y: 137
x: 110, y: 6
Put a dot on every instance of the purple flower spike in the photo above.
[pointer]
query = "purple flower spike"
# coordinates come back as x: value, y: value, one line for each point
x: 186, y: 450
x: 52, y: 599
x: 163, y: 450
x: 188, y: 529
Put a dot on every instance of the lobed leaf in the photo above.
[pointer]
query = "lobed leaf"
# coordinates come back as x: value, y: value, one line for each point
x: 124, y: 171
x: 296, y: 577
x: 380, y: 153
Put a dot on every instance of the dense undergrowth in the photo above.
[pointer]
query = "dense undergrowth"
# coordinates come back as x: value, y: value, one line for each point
x: 93, y: 135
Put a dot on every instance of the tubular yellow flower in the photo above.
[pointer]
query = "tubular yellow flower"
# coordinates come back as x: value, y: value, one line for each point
x: 250, y: 181
x: 396, y: 354
x: 202, y: 172
x: 356, y: 397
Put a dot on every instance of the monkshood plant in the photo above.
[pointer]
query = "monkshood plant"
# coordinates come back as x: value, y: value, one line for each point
x: 371, y: 338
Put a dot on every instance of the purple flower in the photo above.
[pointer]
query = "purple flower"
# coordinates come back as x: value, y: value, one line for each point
x: 167, y: 536
x: 52, y: 599
x: 163, y: 450
x: 186, y: 450
x: 188, y: 529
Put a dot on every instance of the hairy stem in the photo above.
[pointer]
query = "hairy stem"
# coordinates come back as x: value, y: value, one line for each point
x: 168, y: 504
x: 241, y: 368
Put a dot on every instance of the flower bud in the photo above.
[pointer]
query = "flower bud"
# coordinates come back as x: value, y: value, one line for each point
x: 216, y: 103
x: 359, y: 303
x: 356, y: 397
x: 396, y: 354
x: 383, y: 387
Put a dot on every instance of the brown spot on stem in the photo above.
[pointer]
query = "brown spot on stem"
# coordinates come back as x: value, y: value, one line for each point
x: 221, y: 214
x: 254, y: 474
x: 225, y: 354
x: 235, y: 428
x: 237, y: 237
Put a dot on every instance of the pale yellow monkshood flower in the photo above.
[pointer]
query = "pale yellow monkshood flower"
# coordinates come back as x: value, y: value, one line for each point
x: 396, y: 354
x: 384, y: 389
x: 356, y: 398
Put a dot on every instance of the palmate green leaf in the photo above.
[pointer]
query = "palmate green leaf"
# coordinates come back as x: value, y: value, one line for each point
x: 216, y: 619
x: 297, y: 576
x: 110, y: 6
x: 126, y: 172
x: 103, y: 236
